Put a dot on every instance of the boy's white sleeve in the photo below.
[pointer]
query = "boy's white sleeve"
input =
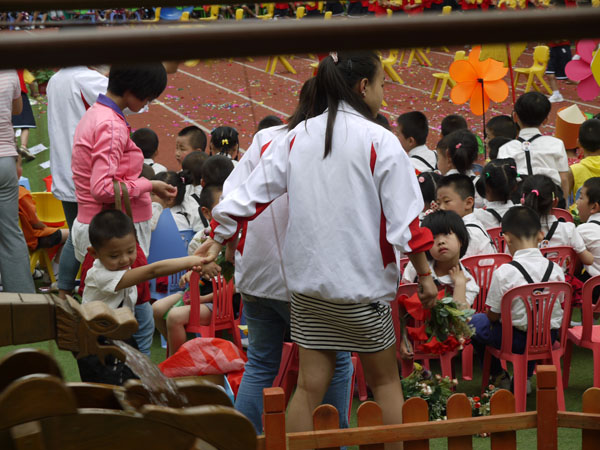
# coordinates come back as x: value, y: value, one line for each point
x: 266, y: 183
x: 400, y: 195
x: 577, y: 241
x: 562, y: 159
x: 472, y: 289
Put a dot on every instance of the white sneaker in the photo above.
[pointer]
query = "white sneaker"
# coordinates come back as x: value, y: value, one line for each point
x: 556, y: 97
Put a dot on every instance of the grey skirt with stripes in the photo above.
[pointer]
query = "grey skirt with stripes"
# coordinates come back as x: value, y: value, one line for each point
x: 322, y: 325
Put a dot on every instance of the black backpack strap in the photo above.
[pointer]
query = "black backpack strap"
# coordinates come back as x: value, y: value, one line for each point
x: 424, y: 161
x: 521, y: 269
x: 474, y: 225
x: 526, y: 150
x: 548, y: 272
x: 495, y: 213
x: 594, y: 221
x: 551, y: 231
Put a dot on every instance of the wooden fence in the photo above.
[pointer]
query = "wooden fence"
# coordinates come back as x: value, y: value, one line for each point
x: 416, y: 430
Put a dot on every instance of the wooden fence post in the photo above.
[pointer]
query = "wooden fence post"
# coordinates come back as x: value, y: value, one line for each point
x: 415, y: 410
x: 274, y: 418
x: 369, y: 415
x: 591, y: 404
x: 547, y: 408
x: 503, y: 402
x: 458, y: 407
x: 326, y: 417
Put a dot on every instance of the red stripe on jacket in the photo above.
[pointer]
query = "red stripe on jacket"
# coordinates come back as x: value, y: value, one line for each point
x: 422, y: 239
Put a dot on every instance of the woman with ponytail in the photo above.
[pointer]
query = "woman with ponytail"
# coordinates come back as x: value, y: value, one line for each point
x: 353, y: 198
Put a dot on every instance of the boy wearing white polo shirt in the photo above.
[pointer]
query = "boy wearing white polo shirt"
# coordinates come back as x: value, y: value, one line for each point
x: 412, y: 133
x: 588, y: 205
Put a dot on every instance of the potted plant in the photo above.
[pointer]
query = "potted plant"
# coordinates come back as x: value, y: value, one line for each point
x: 41, y: 78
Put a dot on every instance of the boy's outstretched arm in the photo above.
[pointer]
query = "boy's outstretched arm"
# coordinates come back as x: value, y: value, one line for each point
x: 158, y: 269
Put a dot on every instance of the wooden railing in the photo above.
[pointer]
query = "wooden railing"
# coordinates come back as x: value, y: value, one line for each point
x: 459, y: 429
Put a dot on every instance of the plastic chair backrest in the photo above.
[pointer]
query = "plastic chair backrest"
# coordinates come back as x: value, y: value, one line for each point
x: 403, y: 263
x: 539, y: 300
x: 328, y: 15
x: 477, y: 168
x: 239, y: 14
x: 48, y: 208
x: 588, y: 308
x: 168, y: 13
x: 482, y: 268
x: 446, y: 10
x: 562, y: 255
x: 498, y: 239
x: 404, y: 290
x: 166, y: 242
x: 222, y: 303
x: 560, y: 213
x: 25, y: 183
x: 187, y: 236
x: 300, y: 12
x: 459, y: 55
x: 214, y: 10
x: 541, y: 54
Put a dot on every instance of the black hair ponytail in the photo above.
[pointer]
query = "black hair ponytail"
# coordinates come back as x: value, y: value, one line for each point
x: 174, y: 179
x: 539, y: 194
x: 462, y: 149
x: 499, y: 177
x: 224, y: 139
x: 337, y: 78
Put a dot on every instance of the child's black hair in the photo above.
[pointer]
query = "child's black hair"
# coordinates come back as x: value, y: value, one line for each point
x: 442, y: 144
x: 532, y: 109
x: 224, y: 139
x: 521, y: 221
x: 428, y: 182
x: 207, y: 196
x: 382, y: 120
x: 147, y: 172
x: 589, y: 135
x: 592, y: 190
x: 144, y: 81
x: 414, y: 125
x: 196, y: 135
x: 498, y: 177
x: 495, y: 144
x: 461, y: 184
x: 109, y: 224
x: 453, y: 122
x: 268, y: 122
x: 539, y: 192
x: 502, y: 126
x: 174, y: 179
x: 462, y: 149
x: 337, y: 81
x: 216, y: 169
x: 192, y: 167
x: 446, y: 222
x: 146, y: 140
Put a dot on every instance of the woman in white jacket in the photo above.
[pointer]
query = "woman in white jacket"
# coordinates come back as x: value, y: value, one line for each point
x: 348, y: 208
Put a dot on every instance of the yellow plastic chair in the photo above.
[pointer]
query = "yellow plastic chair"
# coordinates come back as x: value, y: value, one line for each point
x: 388, y: 65
x: 269, y: 14
x: 444, y: 77
x: 541, y: 54
x: 300, y: 12
x: 328, y: 15
x: 272, y: 64
x: 239, y: 14
x: 214, y: 13
x: 41, y: 256
x: 49, y: 209
x: 415, y: 53
x: 446, y: 10
x: 156, y: 16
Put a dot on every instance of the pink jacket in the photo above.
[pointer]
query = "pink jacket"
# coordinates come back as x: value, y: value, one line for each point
x: 103, y: 152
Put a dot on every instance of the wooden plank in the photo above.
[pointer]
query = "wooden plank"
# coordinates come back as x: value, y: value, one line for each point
x: 369, y: 414
x: 33, y: 321
x: 28, y: 436
x: 503, y: 402
x: 458, y: 407
x: 415, y: 410
x: 326, y: 417
x: 413, y: 431
x: 547, y: 408
x: 274, y: 418
x: 579, y: 420
x: 7, y: 299
x: 590, y: 405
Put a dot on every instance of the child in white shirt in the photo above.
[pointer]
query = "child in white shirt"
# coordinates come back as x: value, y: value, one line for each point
x: 539, y: 194
x: 186, y: 215
x: 147, y: 141
x: 113, y: 246
x: 522, y: 232
x: 412, y: 133
x: 209, y: 198
x: 497, y: 182
x: 192, y: 174
x: 588, y: 205
x: 456, y: 193
x: 428, y: 183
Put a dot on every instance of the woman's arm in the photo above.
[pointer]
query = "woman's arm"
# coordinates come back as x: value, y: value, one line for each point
x: 17, y: 106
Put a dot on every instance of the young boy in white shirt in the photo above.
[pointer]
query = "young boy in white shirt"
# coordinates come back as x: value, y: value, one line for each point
x: 412, y: 133
x: 534, y: 153
x: 456, y: 193
x: 588, y: 205
x: 114, y: 248
x: 522, y: 232
x: 147, y: 141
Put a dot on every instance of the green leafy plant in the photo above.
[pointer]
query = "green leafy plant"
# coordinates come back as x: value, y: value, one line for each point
x: 434, y: 389
x: 43, y: 75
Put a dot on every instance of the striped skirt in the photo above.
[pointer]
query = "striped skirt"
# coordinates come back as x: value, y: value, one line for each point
x: 321, y: 325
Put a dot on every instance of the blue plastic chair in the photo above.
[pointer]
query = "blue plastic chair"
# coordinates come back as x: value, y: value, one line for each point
x: 187, y: 236
x: 477, y: 168
x: 25, y: 183
x: 166, y: 243
x: 174, y: 13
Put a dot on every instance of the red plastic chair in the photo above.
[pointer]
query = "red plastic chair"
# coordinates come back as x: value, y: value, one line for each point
x: 539, y: 300
x: 562, y: 255
x: 497, y: 238
x: 222, y: 314
x: 587, y: 335
x: 407, y: 365
x: 481, y: 268
x: 560, y: 213
x: 403, y: 263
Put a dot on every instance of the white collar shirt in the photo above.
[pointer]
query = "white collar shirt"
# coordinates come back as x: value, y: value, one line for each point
x: 157, y: 167
x: 590, y: 233
x: 487, y: 219
x: 565, y: 234
x: 420, y: 153
x: 479, y: 241
x: 101, y: 283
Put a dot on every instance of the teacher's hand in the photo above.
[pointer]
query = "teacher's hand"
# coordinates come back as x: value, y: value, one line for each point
x: 163, y: 190
x: 427, y: 292
x: 209, y: 251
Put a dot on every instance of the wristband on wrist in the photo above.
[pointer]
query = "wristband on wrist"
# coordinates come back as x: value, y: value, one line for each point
x: 426, y: 274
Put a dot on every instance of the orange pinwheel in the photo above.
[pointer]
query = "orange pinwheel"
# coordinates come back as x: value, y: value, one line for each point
x: 478, y: 81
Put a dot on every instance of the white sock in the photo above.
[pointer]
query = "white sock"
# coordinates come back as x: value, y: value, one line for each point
x: 556, y: 92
